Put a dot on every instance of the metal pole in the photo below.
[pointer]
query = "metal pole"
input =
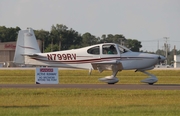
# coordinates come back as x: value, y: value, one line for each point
x: 166, y: 48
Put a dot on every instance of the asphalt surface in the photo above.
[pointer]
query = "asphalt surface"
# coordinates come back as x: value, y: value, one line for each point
x: 97, y: 86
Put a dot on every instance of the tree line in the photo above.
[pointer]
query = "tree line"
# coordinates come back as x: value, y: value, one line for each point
x: 60, y: 37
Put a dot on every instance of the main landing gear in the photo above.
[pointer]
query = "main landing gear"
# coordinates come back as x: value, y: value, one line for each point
x: 111, y: 79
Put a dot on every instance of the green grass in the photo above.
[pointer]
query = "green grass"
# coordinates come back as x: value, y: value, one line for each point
x: 88, y: 102
x: 81, y: 76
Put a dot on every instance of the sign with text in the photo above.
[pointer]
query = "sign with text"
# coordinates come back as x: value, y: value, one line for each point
x: 10, y: 46
x: 46, y: 76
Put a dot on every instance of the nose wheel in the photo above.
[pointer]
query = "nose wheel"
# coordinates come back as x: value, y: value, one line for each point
x: 151, y: 79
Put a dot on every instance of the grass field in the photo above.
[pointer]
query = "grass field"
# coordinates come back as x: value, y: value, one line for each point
x: 81, y: 76
x: 88, y: 102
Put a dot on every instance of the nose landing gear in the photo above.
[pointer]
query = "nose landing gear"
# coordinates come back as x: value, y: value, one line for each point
x: 151, y: 79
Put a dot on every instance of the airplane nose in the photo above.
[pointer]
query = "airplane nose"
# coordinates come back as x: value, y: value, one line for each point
x: 161, y: 58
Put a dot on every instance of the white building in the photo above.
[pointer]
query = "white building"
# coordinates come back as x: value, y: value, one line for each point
x: 176, y: 61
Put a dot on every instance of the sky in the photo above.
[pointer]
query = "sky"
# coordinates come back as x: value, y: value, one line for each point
x: 148, y: 21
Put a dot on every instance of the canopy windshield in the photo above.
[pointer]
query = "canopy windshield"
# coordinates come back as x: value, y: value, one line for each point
x: 123, y: 49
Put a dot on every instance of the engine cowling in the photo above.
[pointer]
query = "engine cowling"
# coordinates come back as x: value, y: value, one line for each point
x: 144, y: 69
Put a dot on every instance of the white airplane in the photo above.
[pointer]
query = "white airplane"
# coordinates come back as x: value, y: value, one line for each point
x: 93, y: 57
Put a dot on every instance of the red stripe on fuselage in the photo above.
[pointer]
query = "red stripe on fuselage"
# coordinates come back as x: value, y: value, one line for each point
x: 94, y: 60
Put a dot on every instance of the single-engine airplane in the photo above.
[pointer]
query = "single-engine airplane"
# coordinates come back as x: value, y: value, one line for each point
x: 105, y: 56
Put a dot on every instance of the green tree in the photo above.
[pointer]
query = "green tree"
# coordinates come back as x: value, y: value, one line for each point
x: 43, y: 36
x: 88, y: 39
x: 8, y: 34
x: 160, y: 52
x: 49, y: 48
x: 133, y: 44
x: 58, y: 33
x: 72, y: 40
x: 177, y: 52
x: 120, y: 39
x: 103, y: 38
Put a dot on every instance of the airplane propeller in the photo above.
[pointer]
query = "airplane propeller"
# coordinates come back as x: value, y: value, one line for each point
x: 160, y: 59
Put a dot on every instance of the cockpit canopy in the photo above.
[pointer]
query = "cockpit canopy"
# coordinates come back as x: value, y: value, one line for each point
x: 107, y: 49
x: 123, y: 49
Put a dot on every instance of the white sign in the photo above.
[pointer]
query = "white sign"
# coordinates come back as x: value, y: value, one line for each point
x: 46, y: 76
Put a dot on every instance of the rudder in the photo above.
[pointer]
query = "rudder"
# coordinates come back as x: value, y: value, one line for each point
x: 26, y: 45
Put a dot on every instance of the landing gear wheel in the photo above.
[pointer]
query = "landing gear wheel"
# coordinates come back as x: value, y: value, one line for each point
x: 109, y: 80
x: 150, y: 83
x: 111, y: 83
x: 151, y: 79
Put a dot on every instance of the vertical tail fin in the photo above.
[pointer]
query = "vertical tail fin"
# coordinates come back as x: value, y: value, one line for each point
x: 26, y: 45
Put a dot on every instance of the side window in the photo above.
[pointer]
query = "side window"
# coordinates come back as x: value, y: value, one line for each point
x: 94, y: 50
x: 109, y: 49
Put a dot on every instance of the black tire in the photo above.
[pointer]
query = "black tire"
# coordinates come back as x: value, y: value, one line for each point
x: 150, y: 83
x: 111, y: 83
